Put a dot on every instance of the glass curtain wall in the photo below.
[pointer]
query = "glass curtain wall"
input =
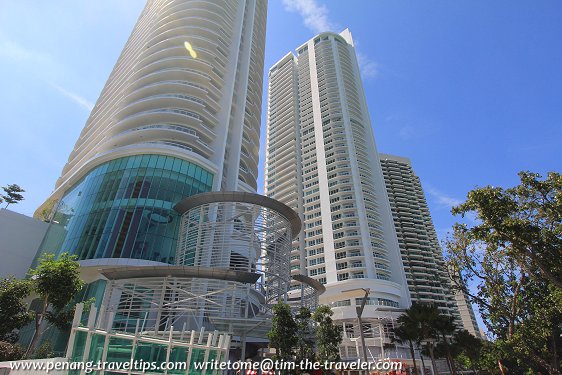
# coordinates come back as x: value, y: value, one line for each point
x: 124, y: 209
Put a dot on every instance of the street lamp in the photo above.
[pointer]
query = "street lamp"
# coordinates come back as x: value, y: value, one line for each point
x: 359, y: 310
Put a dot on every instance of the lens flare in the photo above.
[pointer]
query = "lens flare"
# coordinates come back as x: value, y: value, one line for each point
x: 190, y: 49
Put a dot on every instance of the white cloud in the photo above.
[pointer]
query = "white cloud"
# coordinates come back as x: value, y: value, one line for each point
x: 39, y: 61
x: 368, y: 68
x: 18, y: 53
x: 314, y: 15
x: 407, y: 132
x: 81, y: 101
x: 14, y: 51
x: 443, y: 199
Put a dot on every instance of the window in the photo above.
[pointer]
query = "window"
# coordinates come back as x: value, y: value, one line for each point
x: 317, y: 251
x: 345, y: 302
x: 317, y: 271
x: 313, y: 262
x: 341, y: 255
x: 348, y: 329
x: 341, y: 266
x: 316, y: 241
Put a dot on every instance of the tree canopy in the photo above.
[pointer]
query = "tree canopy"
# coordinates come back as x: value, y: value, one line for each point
x: 305, y: 335
x: 12, y: 194
x: 328, y: 335
x: 13, y: 310
x: 282, y: 335
x: 56, y: 281
x: 511, y: 252
x: 299, y: 335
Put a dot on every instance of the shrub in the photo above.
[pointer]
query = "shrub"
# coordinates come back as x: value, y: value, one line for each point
x: 10, y: 352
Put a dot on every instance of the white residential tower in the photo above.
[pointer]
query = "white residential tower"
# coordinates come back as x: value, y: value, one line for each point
x: 321, y: 160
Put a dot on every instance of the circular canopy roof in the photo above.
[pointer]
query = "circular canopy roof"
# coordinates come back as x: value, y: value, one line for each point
x: 131, y: 272
x: 237, y: 196
x: 313, y: 283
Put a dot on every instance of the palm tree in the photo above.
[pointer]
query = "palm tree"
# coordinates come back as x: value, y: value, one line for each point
x: 444, y: 325
x: 424, y: 317
x: 407, y: 332
x: 424, y: 324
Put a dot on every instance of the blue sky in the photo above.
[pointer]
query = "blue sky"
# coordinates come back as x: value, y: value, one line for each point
x: 471, y: 91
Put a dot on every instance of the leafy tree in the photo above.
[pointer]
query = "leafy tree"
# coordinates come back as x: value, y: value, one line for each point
x: 10, y: 351
x: 44, y: 351
x: 328, y: 335
x: 46, y: 210
x: 305, y: 343
x: 513, y: 255
x: 12, y: 194
x: 283, y: 333
x: 56, y: 281
x: 498, y: 350
x: 470, y: 349
x: 13, y: 309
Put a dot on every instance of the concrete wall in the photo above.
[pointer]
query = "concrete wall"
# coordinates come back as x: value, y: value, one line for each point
x: 20, y: 237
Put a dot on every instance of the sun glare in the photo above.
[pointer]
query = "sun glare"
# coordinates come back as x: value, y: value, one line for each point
x: 190, y: 49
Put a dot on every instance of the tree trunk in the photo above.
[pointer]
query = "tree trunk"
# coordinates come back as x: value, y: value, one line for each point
x: 450, y: 361
x: 413, y: 357
x: 39, y: 317
x: 433, y: 365
x: 554, y: 348
x: 423, y: 364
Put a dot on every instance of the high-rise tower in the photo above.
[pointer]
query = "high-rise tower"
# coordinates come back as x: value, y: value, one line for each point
x: 428, y: 278
x: 321, y: 160
x: 179, y: 115
x: 466, y: 311
x: 426, y: 272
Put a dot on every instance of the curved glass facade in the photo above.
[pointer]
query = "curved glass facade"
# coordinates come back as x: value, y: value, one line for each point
x: 124, y: 209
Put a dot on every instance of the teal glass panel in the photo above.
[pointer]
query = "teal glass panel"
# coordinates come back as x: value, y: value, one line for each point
x: 119, y: 350
x: 197, y: 356
x: 96, y: 348
x: 151, y: 352
x: 178, y: 355
x: 212, y: 356
x: 124, y: 209
x: 79, y: 346
x: 93, y: 291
